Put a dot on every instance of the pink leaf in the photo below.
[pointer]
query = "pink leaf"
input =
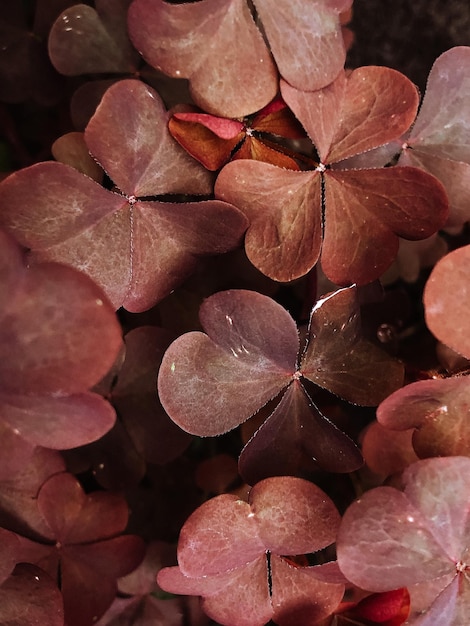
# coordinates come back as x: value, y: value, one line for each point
x: 225, y: 49
x: 447, y: 317
x: 47, y: 313
x: 441, y: 126
x: 59, y: 423
x: 398, y: 201
x: 222, y: 534
x: 385, y: 543
x: 312, y: 523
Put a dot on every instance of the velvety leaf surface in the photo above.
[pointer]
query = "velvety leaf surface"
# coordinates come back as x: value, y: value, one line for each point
x: 366, y: 109
x: 86, y: 41
x: 219, y: 536
x: 137, y: 251
x: 337, y: 358
x: 234, y: 579
x: 398, y: 201
x: 419, y: 537
x: 241, y: 363
x: 446, y: 297
x: 215, y: 44
x: 283, y: 239
x: 128, y: 136
x: 313, y: 519
x: 385, y: 543
x: 313, y: 29
x: 437, y: 410
x: 30, y: 597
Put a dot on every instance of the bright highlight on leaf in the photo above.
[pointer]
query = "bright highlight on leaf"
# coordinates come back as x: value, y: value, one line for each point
x: 283, y: 516
x: 211, y: 382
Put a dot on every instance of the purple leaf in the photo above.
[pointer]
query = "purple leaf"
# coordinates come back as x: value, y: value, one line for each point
x: 313, y: 30
x: 337, y: 358
x: 87, y: 41
x: 241, y: 363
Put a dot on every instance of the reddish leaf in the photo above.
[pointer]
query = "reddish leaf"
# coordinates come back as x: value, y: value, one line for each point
x: 363, y: 110
x: 313, y: 30
x: 437, y: 410
x: 446, y: 317
x: 222, y: 534
x: 128, y: 136
x: 30, y: 597
x: 417, y: 539
x: 89, y: 573
x: 282, y: 514
x: 223, y: 50
x: 75, y: 517
x: 292, y: 436
x: 201, y: 142
x: 72, y: 150
x: 241, y: 363
x: 438, y: 140
x: 379, y: 198
x: 283, y: 239
x: 337, y: 358
x: 59, y: 423
x: 46, y: 313
x: 387, y: 451
x: 300, y: 598
x: 390, y: 608
x: 138, y: 251
x: 313, y: 520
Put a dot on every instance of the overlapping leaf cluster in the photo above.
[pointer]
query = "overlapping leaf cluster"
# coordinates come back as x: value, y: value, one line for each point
x: 289, y: 174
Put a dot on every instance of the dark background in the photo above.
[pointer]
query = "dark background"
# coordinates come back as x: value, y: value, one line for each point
x: 407, y: 35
